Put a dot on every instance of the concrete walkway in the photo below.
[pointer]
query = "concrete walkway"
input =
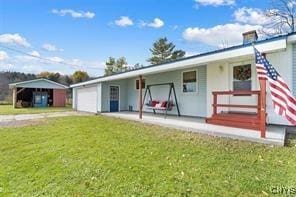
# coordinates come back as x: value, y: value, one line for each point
x: 275, y: 135
x: 21, y: 117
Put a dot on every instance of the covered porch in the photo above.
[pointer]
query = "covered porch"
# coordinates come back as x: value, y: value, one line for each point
x: 222, y: 92
x: 275, y: 135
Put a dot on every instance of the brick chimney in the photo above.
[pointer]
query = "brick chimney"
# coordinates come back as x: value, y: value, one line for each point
x: 250, y: 37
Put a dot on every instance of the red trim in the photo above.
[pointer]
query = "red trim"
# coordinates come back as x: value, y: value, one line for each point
x: 241, y: 119
x: 237, y: 106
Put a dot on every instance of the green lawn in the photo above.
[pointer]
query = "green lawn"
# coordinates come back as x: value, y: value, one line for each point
x: 95, y: 155
x: 8, y: 110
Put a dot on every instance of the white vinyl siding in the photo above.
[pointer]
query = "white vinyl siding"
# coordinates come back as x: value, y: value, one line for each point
x: 191, y: 104
x: 294, y: 70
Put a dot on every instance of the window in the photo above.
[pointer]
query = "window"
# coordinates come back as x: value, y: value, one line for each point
x: 189, y: 81
x: 114, y: 93
x: 37, y: 99
x: 143, y: 84
x: 242, y: 76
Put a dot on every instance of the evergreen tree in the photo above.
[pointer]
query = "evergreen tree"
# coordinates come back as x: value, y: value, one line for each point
x: 109, y: 68
x: 115, y: 66
x: 164, y: 51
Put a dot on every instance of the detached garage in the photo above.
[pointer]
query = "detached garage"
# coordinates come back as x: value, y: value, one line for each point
x: 38, y: 93
x: 88, y: 97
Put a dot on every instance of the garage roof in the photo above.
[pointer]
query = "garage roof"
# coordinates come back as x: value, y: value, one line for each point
x: 38, y: 83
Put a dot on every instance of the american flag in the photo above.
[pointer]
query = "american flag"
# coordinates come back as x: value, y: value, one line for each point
x: 284, y: 102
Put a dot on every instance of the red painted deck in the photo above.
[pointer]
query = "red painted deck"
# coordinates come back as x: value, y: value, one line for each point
x: 239, y: 120
x: 254, y: 121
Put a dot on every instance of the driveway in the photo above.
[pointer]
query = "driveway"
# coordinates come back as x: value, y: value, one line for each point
x: 28, y: 119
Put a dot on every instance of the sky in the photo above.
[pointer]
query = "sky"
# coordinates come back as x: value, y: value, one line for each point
x: 66, y: 35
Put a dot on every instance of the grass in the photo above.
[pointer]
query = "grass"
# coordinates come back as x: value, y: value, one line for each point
x: 9, y: 110
x: 95, y: 155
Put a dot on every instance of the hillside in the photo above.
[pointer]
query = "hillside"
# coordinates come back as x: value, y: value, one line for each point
x: 11, y: 77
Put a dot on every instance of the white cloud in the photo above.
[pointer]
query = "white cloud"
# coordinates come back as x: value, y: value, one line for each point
x: 3, y: 55
x: 56, y: 59
x: 27, y: 58
x: 252, y: 16
x: 220, y: 35
x: 156, y: 23
x: 84, y: 64
x: 14, y: 39
x: 215, y: 2
x: 124, y: 21
x: 73, y: 13
x: 35, y: 53
x: 50, y: 47
x: 35, y: 68
x: 29, y: 64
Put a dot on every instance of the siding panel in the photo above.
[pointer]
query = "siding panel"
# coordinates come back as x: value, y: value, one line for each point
x: 294, y: 70
x: 191, y: 104
x: 105, y: 102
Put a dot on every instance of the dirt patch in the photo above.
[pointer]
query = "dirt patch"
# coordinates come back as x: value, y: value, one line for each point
x: 21, y: 123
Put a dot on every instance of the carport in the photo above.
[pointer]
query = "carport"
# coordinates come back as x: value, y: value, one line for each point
x: 38, y: 93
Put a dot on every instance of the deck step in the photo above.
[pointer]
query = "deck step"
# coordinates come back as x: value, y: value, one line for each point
x: 247, y: 121
x: 237, y: 118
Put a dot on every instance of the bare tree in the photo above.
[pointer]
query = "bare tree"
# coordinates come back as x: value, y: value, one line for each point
x: 280, y: 18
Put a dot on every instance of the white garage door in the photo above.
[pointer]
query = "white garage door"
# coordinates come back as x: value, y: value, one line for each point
x: 87, y: 99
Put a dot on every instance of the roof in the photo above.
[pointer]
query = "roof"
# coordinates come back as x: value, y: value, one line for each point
x: 267, y: 45
x: 38, y: 83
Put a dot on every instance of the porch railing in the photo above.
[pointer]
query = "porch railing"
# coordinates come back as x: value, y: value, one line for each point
x: 236, y: 93
x: 240, y: 119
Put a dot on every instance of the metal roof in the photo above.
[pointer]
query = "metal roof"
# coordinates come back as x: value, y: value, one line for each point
x: 92, y: 81
x: 39, y: 83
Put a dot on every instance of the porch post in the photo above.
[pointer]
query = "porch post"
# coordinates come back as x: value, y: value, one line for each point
x: 215, y: 103
x: 263, y: 107
x: 140, y: 97
x: 262, y: 83
x: 14, y: 94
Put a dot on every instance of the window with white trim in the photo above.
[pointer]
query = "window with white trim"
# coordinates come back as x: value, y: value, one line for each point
x: 242, y: 78
x: 189, y: 81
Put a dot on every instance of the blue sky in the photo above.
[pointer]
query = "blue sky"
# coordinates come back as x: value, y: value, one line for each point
x: 81, y: 35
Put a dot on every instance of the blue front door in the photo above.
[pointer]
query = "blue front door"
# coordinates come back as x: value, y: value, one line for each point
x: 114, y: 98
